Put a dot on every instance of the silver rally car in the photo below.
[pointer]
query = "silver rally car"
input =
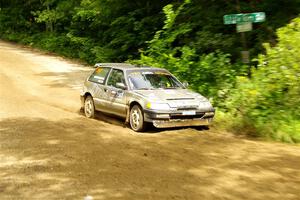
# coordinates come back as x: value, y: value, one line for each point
x: 143, y: 95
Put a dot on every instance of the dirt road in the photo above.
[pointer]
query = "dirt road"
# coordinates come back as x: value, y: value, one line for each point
x: 48, y: 150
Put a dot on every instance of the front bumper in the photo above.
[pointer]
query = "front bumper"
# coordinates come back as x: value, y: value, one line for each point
x: 181, y: 122
x: 178, y: 119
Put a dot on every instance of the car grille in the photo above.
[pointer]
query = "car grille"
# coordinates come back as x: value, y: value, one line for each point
x: 180, y: 116
x: 187, y: 108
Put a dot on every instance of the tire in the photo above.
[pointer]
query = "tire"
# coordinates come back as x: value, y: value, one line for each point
x: 89, y: 107
x: 136, y: 118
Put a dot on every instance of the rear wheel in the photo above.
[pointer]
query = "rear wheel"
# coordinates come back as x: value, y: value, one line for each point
x: 89, y: 108
x: 137, y: 118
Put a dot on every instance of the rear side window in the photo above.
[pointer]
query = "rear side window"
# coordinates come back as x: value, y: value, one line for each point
x: 99, y: 75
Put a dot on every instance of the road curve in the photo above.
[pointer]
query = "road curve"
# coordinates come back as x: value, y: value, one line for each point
x: 48, y: 150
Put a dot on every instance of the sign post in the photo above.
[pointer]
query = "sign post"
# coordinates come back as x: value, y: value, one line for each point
x: 243, y: 23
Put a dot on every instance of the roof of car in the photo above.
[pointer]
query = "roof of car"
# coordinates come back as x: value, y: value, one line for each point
x: 123, y: 66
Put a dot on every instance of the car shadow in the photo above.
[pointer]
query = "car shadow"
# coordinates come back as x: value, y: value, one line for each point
x: 150, y: 128
x: 107, y: 118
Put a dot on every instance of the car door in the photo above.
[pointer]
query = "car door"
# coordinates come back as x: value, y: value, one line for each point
x: 116, y: 93
x: 96, y: 85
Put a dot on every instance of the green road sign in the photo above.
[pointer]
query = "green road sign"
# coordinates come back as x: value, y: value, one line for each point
x: 244, y: 17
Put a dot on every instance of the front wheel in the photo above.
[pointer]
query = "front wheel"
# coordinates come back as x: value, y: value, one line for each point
x: 136, y: 118
x: 89, y: 108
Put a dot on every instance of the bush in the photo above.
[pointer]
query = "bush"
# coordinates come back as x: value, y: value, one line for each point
x: 270, y: 99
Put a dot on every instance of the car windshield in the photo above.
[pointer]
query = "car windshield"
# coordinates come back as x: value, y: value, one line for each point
x: 147, y: 80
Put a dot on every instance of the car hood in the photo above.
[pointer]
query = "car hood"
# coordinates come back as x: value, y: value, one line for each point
x: 170, y: 94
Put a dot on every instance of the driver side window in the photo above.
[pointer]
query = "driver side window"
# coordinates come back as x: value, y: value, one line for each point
x: 116, y: 76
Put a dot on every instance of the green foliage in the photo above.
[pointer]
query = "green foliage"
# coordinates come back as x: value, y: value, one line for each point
x: 270, y: 100
x: 47, y: 16
x: 121, y: 27
x: 112, y: 30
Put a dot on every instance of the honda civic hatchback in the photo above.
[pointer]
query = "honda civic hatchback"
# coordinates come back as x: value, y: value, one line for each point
x: 143, y: 95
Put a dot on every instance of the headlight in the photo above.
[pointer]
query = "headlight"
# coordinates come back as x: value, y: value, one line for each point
x: 158, y: 106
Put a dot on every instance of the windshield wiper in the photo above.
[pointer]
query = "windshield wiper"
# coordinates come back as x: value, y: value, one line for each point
x: 145, y: 88
x: 163, y: 88
x: 171, y: 87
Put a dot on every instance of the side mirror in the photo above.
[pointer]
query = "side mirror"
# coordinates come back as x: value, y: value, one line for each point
x: 121, y: 86
x: 185, y: 84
